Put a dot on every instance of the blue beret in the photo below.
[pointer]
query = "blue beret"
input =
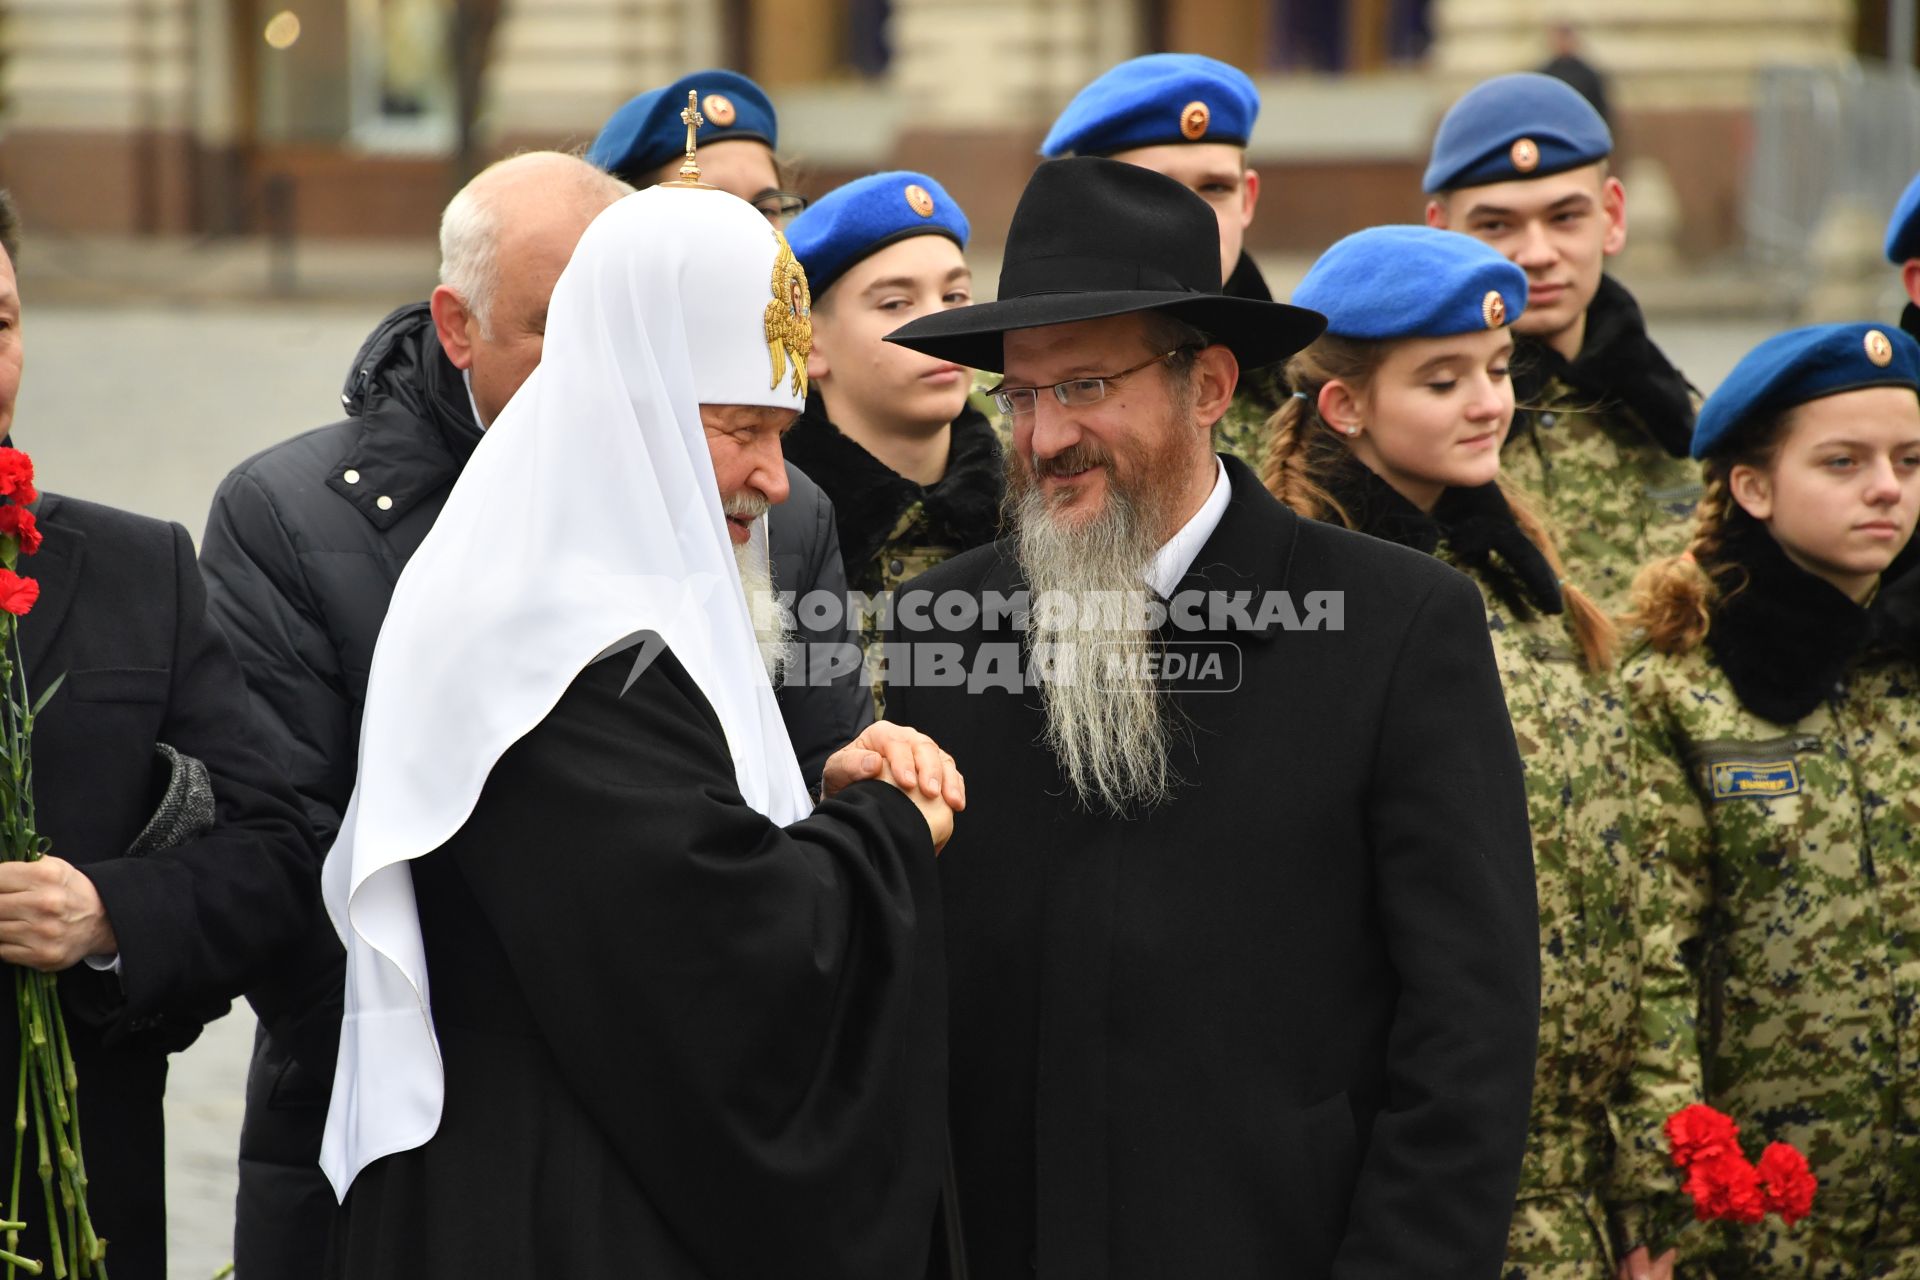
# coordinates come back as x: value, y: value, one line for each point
x: 1799, y: 365
x: 1903, y: 229
x: 1412, y: 282
x: 647, y: 132
x: 1524, y: 125
x: 866, y: 215
x: 1159, y: 98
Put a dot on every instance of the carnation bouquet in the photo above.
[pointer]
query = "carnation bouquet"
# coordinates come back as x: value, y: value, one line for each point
x: 46, y: 1098
x: 1724, y: 1185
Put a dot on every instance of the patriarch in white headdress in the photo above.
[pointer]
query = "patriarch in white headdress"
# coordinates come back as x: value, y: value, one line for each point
x: 590, y: 515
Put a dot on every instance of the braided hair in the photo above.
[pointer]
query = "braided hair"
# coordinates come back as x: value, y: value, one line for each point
x: 1673, y: 597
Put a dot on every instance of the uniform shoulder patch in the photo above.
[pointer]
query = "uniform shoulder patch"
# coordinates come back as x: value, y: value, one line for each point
x: 1735, y: 768
x: 1734, y: 779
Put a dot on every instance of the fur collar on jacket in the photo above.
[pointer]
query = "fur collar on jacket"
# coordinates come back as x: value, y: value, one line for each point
x: 1477, y: 526
x: 1785, y: 638
x: 1617, y: 363
x: 962, y: 507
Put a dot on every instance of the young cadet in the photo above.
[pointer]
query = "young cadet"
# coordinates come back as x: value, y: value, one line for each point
x: 644, y: 141
x: 1903, y: 251
x: 1189, y: 117
x: 912, y: 468
x: 1394, y: 428
x: 1779, y: 704
x: 1601, y: 435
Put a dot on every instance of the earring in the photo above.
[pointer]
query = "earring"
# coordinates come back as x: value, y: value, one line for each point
x: 1351, y: 430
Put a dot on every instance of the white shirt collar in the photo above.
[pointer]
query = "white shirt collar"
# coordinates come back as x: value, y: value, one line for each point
x: 466, y: 379
x: 1174, y: 559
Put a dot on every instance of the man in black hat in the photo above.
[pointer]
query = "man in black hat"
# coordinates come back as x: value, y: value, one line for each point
x: 1241, y: 933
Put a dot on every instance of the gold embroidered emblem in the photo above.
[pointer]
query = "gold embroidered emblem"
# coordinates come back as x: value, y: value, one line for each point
x: 1525, y: 155
x: 719, y: 109
x: 789, y: 318
x: 919, y: 199
x: 1194, y: 121
x: 1879, y: 348
x: 1493, y: 309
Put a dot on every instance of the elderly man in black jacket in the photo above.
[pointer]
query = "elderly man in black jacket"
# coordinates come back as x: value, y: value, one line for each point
x: 303, y: 547
x: 172, y: 928
x: 1240, y: 928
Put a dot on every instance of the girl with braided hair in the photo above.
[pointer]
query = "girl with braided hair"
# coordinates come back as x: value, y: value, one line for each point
x: 1394, y: 429
x: 1777, y: 702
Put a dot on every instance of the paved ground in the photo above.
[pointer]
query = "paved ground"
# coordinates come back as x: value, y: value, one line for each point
x: 146, y: 406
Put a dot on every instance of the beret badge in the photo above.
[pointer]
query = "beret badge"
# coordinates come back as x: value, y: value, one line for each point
x: 1525, y: 155
x: 1194, y: 121
x: 919, y: 199
x: 1879, y: 349
x: 719, y: 109
x: 1493, y: 309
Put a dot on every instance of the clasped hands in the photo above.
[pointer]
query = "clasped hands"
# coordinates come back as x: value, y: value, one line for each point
x: 909, y: 760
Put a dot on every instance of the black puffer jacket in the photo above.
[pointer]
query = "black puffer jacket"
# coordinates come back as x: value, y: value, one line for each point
x: 303, y: 547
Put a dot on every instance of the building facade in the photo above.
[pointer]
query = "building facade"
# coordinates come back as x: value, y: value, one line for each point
x: 359, y: 117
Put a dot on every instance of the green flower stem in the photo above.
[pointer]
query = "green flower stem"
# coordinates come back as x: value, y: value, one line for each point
x: 19, y: 1137
x: 46, y: 1181
x: 48, y: 1081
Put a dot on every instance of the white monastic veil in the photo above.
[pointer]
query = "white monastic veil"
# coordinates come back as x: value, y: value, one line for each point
x: 588, y: 513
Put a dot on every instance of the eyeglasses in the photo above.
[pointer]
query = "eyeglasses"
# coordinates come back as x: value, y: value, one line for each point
x: 779, y: 206
x: 1020, y: 402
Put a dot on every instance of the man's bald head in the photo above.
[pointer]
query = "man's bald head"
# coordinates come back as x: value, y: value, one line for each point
x: 504, y: 239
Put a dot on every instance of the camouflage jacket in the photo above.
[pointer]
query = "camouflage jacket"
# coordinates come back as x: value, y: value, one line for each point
x: 1616, y: 1016
x: 1242, y: 429
x: 1599, y: 444
x: 1783, y: 778
x: 892, y: 529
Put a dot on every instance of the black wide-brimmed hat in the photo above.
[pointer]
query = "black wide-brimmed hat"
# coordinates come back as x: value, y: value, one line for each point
x: 1094, y: 238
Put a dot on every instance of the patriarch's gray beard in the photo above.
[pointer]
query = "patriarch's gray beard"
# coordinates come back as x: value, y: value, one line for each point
x: 773, y: 626
x: 1107, y: 720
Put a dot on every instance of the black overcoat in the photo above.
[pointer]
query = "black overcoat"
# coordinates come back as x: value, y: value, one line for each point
x: 123, y: 616
x: 1285, y: 1025
x: 679, y: 1041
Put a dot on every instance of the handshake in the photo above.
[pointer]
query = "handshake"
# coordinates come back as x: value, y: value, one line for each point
x: 909, y: 760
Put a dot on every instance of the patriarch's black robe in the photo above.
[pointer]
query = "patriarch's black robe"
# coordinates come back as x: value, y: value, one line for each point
x: 679, y: 1041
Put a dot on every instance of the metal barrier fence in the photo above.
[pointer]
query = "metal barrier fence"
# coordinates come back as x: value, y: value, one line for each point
x: 1824, y: 136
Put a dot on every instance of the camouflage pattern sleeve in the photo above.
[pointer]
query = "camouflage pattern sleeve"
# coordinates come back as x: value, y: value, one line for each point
x: 1242, y: 429
x: 977, y: 396
x: 1673, y: 842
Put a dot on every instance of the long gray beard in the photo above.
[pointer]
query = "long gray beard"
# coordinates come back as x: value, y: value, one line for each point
x: 1107, y: 722
x: 773, y: 625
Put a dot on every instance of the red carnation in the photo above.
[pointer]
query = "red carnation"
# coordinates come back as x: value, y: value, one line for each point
x: 17, y: 594
x: 1787, y: 1182
x: 16, y: 476
x: 19, y: 523
x: 1726, y: 1188
x: 1698, y: 1132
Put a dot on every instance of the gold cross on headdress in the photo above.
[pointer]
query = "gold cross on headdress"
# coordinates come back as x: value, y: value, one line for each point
x: 690, y: 170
